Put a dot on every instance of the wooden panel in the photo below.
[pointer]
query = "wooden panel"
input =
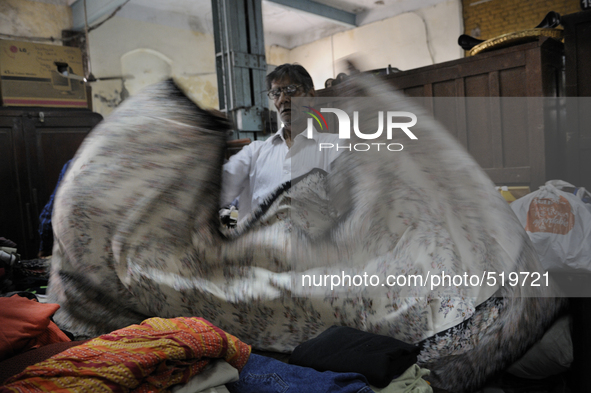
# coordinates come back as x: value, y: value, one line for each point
x: 584, y: 144
x: 445, y: 89
x: 477, y: 86
x: 479, y: 139
x: 584, y: 120
x: 415, y: 91
x: 445, y: 110
x: 512, y: 82
x: 428, y: 97
x: 515, y: 176
x: 16, y: 214
x: 533, y: 74
x: 583, y: 86
x: 494, y: 104
x: 35, y: 148
x: 12, y: 222
x: 577, y: 45
x: 461, y: 127
x: 52, y: 141
x: 479, y: 133
x: 55, y: 146
x: 481, y: 64
x: 514, y: 126
x: 517, y: 142
x: 583, y: 57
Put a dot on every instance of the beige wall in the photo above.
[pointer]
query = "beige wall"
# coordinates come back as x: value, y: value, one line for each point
x: 190, y: 55
x: 183, y: 46
x: 276, y: 55
x: 406, y: 41
x: 34, y: 19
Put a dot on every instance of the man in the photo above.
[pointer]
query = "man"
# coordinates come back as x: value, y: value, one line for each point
x: 261, y: 167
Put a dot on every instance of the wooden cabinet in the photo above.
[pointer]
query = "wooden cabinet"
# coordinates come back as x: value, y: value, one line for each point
x: 516, y: 140
x: 577, y: 53
x: 35, y: 143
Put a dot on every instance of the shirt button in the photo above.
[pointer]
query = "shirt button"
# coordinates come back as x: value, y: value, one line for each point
x: 286, y: 172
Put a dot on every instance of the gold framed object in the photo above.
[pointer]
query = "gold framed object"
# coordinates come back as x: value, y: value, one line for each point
x: 519, y: 37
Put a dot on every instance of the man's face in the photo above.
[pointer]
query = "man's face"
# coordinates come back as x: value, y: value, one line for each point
x: 283, y: 101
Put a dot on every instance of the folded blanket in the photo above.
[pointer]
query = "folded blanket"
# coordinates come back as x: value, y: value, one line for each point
x: 17, y: 364
x: 150, y: 357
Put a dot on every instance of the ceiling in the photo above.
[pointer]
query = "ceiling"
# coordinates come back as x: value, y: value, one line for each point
x: 288, y: 25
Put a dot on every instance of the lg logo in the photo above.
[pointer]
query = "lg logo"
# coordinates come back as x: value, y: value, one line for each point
x: 15, y: 49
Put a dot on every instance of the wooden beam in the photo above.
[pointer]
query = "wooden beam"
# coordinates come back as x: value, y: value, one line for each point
x: 325, y: 11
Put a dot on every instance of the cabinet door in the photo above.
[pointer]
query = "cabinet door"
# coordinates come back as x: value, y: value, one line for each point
x: 14, y: 210
x: 577, y: 48
x: 52, y: 138
x: 34, y: 146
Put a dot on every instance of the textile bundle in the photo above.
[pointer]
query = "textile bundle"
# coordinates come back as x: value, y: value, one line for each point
x: 137, y: 235
x: 149, y: 357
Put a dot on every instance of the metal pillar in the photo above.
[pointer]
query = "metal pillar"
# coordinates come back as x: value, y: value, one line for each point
x: 240, y: 63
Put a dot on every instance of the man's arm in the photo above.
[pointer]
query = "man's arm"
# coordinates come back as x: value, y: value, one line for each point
x: 236, y: 174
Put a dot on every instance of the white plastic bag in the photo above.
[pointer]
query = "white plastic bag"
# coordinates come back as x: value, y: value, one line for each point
x: 559, y: 225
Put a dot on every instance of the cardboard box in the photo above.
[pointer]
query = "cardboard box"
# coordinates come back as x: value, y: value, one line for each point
x: 29, y: 75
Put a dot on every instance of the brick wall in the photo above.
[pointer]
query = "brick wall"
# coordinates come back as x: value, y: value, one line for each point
x: 492, y: 18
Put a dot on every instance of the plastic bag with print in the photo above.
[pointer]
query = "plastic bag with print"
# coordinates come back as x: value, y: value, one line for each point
x: 559, y: 225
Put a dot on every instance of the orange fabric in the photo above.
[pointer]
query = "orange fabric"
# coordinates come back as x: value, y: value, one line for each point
x: 150, y: 357
x: 51, y: 335
x: 22, y: 320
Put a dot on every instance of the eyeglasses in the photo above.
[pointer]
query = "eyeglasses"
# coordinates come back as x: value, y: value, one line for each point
x: 289, y: 90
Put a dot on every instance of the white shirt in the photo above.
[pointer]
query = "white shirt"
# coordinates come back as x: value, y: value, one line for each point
x: 262, y: 166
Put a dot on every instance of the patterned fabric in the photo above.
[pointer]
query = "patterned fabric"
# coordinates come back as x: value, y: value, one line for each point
x: 39, y: 267
x: 150, y: 357
x: 260, y: 167
x: 138, y: 236
x: 459, y: 339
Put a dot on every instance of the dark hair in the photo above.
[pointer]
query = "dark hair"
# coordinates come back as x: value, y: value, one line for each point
x: 295, y: 72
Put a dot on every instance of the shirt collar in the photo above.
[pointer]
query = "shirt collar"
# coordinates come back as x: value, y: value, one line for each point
x: 305, y: 132
x: 279, y: 135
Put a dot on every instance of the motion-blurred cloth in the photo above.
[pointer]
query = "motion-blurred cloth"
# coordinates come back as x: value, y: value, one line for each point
x: 138, y: 235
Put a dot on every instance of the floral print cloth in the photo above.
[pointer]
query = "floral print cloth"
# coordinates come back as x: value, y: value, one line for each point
x: 137, y: 234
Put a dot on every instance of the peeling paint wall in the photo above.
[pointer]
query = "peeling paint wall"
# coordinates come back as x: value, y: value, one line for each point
x: 190, y: 54
x: 276, y: 55
x: 34, y: 19
x: 410, y: 40
x: 189, y: 47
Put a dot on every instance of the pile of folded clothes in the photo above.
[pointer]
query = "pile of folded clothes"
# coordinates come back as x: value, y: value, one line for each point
x: 190, y: 355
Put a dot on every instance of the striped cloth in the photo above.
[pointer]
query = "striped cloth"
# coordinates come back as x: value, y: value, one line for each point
x: 150, y: 357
